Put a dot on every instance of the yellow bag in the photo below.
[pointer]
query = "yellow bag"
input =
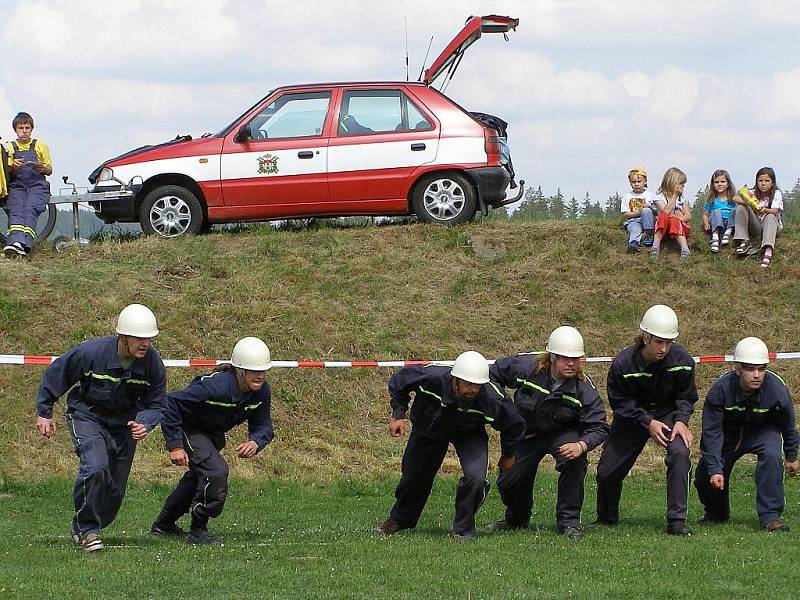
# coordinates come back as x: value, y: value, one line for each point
x: 751, y: 200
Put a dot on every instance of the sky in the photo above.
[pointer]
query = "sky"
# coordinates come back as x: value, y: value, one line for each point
x: 590, y: 89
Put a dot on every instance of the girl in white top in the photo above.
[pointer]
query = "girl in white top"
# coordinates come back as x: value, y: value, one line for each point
x: 674, y: 213
x: 763, y: 221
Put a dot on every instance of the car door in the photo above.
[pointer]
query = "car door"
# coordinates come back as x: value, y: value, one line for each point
x: 274, y: 163
x: 379, y: 137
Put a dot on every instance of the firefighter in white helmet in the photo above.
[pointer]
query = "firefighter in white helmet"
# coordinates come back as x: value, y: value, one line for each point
x: 651, y: 390
x: 451, y: 406
x: 194, y: 428
x: 564, y: 417
x: 747, y: 411
x: 119, y: 399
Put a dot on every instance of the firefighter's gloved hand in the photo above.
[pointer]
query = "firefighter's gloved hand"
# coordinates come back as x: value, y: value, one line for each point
x: 506, y: 462
x: 397, y: 427
x: 178, y: 457
x: 247, y: 449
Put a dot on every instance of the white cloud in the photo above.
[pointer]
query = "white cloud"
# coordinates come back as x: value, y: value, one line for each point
x: 675, y: 94
x: 782, y: 99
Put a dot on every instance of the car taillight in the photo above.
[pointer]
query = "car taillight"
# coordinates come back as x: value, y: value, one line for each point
x: 491, y: 144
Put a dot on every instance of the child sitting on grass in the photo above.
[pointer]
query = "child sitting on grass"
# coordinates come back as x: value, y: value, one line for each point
x: 674, y: 213
x: 637, y: 210
x: 719, y: 210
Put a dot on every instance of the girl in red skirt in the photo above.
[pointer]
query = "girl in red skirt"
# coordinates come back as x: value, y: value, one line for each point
x: 674, y: 212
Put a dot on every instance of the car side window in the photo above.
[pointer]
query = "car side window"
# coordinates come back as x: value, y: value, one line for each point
x: 379, y: 111
x: 292, y: 115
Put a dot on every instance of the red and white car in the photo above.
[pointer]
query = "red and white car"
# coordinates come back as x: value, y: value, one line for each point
x: 327, y: 149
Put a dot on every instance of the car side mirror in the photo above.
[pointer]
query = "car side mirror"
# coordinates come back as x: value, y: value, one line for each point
x: 244, y: 134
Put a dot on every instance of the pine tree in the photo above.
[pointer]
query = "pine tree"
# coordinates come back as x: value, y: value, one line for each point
x: 573, y: 211
x: 533, y: 206
x: 556, y: 205
x: 613, y: 205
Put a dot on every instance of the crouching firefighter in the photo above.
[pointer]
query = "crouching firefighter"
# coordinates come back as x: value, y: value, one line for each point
x: 194, y: 427
x: 564, y: 417
x: 651, y: 389
x: 451, y: 406
x: 747, y: 411
x: 119, y: 398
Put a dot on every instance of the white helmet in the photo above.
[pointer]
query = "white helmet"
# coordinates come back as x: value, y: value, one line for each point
x: 137, y: 320
x: 660, y: 321
x: 751, y: 351
x: 566, y: 341
x: 252, y: 354
x: 471, y: 366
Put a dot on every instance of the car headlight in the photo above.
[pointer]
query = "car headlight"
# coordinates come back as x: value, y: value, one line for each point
x: 106, y: 174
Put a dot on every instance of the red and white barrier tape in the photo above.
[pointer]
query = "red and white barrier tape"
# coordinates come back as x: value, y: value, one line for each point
x: 202, y: 363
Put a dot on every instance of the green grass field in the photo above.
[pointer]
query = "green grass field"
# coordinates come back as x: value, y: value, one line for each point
x: 298, y: 520
x: 293, y: 540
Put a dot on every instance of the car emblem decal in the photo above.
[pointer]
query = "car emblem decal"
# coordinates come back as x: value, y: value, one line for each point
x: 267, y: 164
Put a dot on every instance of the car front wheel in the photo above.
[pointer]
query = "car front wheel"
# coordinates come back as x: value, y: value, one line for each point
x: 171, y: 211
x: 446, y: 198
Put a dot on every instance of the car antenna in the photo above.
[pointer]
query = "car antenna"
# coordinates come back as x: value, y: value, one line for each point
x: 422, y: 70
x: 405, y: 26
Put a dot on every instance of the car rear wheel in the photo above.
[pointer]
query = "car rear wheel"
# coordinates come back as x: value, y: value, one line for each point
x: 171, y: 211
x: 446, y: 198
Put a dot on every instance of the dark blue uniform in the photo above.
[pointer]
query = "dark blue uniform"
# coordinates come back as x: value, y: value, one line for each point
x: 762, y: 423
x: 638, y: 393
x: 574, y: 412
x: 439, y: 419
x: 28, y: 196
x: 196, y: 420
x: 98, y: 409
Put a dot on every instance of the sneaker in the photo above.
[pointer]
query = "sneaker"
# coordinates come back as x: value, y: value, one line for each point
x: 633, y: 247
x: 91, y: 542
x: 776, y: 526
x: 685, y: 254
x: 201, y: 537
x: 647, y: 239
x: 502, y: 525
x: 462, y: 537
x: 166, y: 529
x: 388, y: 527
x: 654, y: 252
x: 572, y: 533
x: 14, y: 250
x: 678, y: 527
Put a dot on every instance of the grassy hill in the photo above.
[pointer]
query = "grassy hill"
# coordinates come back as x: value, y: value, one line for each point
x: 388, y: 292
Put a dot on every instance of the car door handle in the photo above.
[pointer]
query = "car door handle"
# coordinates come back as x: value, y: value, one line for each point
x: 417, y: 147
x: 305, y: 154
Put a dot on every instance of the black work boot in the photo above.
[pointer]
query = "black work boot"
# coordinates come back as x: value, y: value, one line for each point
x: 201, y: 537
x: 165, y: 528
x: 678, y: 527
